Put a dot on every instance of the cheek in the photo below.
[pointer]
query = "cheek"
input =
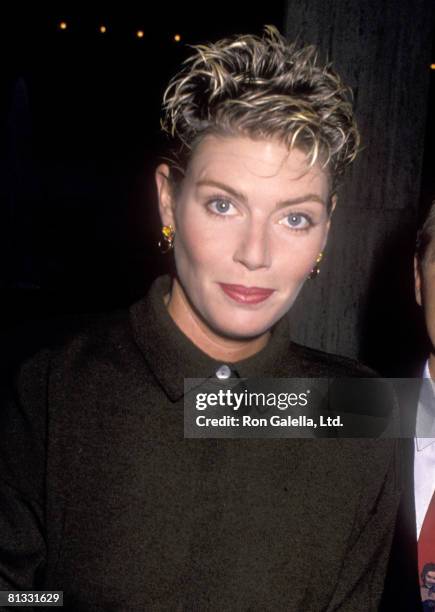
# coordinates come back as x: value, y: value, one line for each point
x: 297, y: 255
x: 203, y: 240
x: 429, y: 310
x: 428, y: 295
x: 428, y: 301
x: 195, y: 241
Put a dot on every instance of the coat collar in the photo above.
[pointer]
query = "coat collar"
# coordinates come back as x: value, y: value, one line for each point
x: 171, y: 356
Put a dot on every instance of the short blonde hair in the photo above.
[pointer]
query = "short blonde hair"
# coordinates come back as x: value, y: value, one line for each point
x: 261, y: 87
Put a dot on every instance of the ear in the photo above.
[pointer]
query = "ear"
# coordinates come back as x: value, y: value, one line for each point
x: 164, y: 194
x: 417, y: 281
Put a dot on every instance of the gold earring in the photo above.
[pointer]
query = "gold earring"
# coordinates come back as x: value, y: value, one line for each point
x: 166, y: 243
x: 316, y: 269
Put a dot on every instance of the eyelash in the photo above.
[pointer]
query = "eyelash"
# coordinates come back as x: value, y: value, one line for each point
x: 221, y: 215
x: 307, y: 218
x: 217, y: 199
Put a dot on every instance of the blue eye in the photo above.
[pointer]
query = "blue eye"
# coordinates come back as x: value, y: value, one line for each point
x: 298, y: 221
x: 219, y: 207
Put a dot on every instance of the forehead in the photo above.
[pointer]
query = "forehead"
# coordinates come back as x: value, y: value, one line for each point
x: 255, y: 163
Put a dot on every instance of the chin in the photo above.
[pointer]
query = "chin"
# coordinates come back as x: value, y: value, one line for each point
x: 242, y: 330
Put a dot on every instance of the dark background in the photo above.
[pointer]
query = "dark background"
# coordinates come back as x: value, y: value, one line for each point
x: 80, y: 136
x: 80, y: 120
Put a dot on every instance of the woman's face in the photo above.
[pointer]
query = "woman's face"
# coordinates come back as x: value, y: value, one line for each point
x: 250, y: 220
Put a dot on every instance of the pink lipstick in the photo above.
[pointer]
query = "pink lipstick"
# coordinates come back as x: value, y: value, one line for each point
x: 246, y: 295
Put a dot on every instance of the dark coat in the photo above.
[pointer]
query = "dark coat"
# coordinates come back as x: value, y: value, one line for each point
x: 103, y: 497
x: 402, y: 590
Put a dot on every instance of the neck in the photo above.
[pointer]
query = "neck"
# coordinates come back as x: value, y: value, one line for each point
x: 214, y: 345
x: 432, y: 366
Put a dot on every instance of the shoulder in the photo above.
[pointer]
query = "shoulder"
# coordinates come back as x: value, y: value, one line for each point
x: 77, y: 349
x: 366, y: 401
x: 100, y: 353
x: 100, y: 337
x: 320, y: 364
x: 85, y: 381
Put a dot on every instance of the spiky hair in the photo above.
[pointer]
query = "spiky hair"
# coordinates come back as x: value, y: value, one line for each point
x: 262, y: 88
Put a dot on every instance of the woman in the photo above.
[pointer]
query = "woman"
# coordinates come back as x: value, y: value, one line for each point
x: 103, y: 497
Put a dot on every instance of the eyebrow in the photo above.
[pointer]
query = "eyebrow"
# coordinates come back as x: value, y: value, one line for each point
x: 308, y: 197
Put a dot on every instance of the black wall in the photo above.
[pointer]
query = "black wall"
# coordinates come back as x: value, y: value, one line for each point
x: 362, y: 303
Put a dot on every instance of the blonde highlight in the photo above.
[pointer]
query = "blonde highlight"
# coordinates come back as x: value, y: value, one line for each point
x: 263, y: 88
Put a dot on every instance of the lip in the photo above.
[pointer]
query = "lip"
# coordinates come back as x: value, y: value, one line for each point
x: 246, y: 295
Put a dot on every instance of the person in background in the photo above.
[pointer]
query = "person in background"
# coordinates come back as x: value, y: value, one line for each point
x: 101, y: 494
x: 424, y: 455
x: 413, y: 552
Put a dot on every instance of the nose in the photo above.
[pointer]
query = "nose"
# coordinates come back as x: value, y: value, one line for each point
x: 253, y: 248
